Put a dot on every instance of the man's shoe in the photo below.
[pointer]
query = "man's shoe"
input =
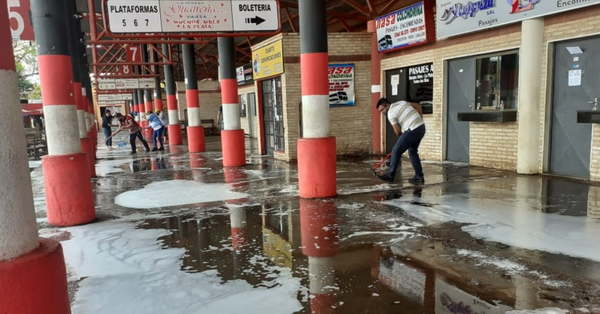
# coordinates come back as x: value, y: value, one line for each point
x: 133, y: 153
x: 155, y: 149
x: 161, y: 149
x: 416, y: 181
x: 386, y: 177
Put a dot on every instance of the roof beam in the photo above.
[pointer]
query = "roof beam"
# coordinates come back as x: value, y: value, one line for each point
x: 358, y: 7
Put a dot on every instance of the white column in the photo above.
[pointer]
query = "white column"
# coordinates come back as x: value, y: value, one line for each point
x: 18, y: 230
x: 315, y: 116
x: 530, y: 74
x: 231, y: 117
x: 62, y: 133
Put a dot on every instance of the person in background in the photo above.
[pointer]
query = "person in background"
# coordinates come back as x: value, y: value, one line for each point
x: 107, y: 128
x: 158, y: 128
x: 135, y: 131
x: 406, y: 118
x: 164, y: 117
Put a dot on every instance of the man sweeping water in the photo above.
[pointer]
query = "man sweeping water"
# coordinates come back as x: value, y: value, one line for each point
x: 407, y: 120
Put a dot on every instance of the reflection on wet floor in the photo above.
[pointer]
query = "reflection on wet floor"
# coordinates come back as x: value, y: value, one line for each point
x: 360, y: 254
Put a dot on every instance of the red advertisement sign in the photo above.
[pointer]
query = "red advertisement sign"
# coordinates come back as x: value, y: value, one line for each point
x: 20, y: 19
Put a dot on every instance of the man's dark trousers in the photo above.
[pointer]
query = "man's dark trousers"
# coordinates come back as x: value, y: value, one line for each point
x: 410, y: 141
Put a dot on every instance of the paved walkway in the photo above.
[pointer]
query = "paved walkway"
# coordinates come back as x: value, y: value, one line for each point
x: 177, y: 233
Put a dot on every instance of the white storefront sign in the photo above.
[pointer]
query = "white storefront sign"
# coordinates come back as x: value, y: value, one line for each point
x: 455, y: 17
x: 341, y: 85
x: 192, y: 16
x: 402, y: 28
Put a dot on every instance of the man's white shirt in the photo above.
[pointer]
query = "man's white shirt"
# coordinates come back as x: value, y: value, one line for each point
x: 404, y: 115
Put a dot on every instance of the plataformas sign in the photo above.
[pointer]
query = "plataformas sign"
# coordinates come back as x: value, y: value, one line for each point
x: 457, y: 17
x: 192, y: 16
x: 341, y: 85
x: 403, y: 28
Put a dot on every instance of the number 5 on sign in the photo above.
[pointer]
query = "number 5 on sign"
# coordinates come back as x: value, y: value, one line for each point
x: 20, y: 24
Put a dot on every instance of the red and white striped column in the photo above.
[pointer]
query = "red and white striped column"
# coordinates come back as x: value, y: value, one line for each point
x: 171, y: 90
x: 69, y: 197
x: 142, y: 114
x: 232, y: 136
x: 195, y: 131
x: 32, y: 269
x: 320, y: 241
x: 148, y: 106
x: 158, y: 104
x: 316, y: 150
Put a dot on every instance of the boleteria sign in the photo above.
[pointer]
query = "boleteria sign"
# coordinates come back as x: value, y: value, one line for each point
x: 175, y: 16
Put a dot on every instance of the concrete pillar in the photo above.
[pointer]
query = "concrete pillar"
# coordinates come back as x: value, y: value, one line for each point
x: 158, y: 104
x: 316, y: 150
x: 195, y: 131
x: 69, y: 198
x: 32, y: 269
x: 375, y: 90
x: 171, y: 90
x: 530, y: 72
x: 141, y: 106
x: 75, y: 51
x: 319, y: 234
x: 237, y: 219
x: 232, y: 137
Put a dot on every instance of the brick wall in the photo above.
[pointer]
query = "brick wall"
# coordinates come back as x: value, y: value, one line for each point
x: 350, y: 125
x: 495, y: 144
x: 209, y: 96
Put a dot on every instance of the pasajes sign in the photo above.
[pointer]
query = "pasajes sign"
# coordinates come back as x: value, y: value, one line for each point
x: 341, y: 85
x: 455, y: 17
x: 403, y: 28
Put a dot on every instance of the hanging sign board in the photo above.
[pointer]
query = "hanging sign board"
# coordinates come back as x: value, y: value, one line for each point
x: 404, y: 28
x: 457, y: 17
x: 192, y: 16
x: 268, y: 60
x: 107, y: 98
x: 341, y: 85
x: 129, y: 83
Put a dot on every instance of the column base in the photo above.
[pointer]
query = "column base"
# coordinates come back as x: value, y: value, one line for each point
x: 69, y: 198
x: 36, y: 282
x: 174, y: 135
x: 316, y: 167
x: 233, y: 146
x: 88, y: 149
x: 196, y: 143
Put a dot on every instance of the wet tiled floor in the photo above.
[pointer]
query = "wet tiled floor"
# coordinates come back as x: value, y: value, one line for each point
x: 471, y: 240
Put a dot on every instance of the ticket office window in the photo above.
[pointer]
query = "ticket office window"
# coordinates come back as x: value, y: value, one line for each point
x: 496, y: 82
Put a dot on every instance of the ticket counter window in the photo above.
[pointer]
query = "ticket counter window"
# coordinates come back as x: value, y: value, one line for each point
x: 496, y: 82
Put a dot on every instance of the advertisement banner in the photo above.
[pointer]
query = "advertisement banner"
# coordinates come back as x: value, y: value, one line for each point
x: 455, y: 17
x: 402, y: 28
x: 341, y: 85
x: 268, y: 60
